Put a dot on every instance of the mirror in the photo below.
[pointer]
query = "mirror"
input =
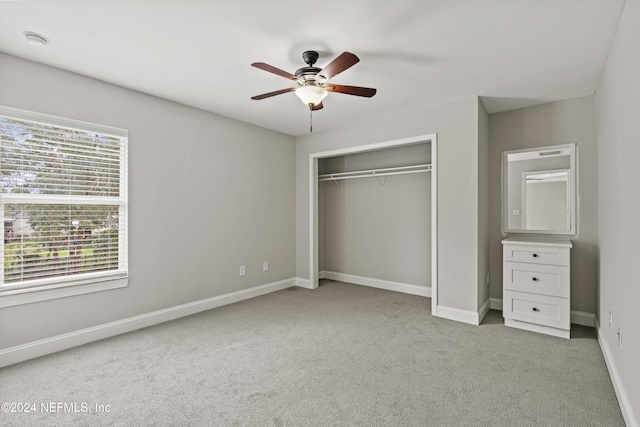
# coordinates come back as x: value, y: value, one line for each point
x: 538, y: 190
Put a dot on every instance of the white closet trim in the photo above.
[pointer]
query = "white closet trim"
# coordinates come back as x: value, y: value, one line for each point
x: 313, y: 204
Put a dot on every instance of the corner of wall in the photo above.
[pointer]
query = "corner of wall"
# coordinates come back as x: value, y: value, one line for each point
x: 483, y: 206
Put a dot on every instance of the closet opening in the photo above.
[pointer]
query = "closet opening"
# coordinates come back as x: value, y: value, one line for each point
x: 373, y: 216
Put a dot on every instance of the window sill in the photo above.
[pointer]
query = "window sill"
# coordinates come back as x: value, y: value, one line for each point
x: 35, y: 295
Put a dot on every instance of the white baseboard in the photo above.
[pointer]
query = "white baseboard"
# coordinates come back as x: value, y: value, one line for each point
x: 623, y: 399
x: 303, y: 283
x: 377, y: 283
x: 577, y: 317
x: 484, y: 310
x: 582, y: 318
x: 39, y: 348
x: 495, y: 304
x: 464, y: 316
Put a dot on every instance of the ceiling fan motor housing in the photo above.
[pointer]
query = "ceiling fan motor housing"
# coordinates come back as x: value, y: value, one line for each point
x: 305, y: 72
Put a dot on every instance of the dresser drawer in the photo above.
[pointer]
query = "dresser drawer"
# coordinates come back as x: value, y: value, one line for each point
x: 538, y: 279
x: 538, y: 309
x: 549, y: 255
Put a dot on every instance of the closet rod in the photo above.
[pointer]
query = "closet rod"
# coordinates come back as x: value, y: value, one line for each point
x: 402, y: 170
x: 371, y: 175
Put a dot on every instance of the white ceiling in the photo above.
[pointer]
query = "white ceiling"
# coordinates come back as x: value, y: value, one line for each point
x: 512, y: 53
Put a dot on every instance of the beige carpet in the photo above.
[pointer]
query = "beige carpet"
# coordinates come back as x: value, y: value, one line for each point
x: 341, y: 355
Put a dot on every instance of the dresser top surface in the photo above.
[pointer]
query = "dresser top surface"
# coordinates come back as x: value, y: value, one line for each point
x: 537, y: 241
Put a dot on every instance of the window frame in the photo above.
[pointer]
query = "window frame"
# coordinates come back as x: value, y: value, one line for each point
x: 46, y: 289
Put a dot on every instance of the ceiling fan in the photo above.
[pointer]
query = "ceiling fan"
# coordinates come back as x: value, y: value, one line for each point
x: 312, y: 82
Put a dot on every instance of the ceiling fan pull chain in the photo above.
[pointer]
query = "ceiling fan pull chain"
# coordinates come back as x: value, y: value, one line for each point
x: 310, y: 118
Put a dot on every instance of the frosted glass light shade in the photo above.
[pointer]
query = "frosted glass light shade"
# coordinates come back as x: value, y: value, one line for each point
x: 311, y: 94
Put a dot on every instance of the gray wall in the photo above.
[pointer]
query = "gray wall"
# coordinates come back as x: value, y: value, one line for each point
x: 375, y: 231
x: 229, y: 185
x: 456, y: 124
x: 551, y: 124
x: 617, y: 104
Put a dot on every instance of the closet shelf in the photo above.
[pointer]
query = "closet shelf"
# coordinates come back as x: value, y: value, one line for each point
x: 402, y: 170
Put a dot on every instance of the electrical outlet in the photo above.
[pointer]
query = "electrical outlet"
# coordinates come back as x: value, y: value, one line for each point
x: 488, y: 278
x: 610, y: 319
x: 619, y: 337
x: 265, y: 266
x: 242, y: 271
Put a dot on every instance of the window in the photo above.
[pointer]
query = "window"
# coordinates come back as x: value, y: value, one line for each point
x: 63, y: 197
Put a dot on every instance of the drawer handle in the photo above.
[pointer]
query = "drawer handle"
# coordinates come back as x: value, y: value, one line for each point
x: 535, y: 255
x: 535, y: 309
x: 535, y: 279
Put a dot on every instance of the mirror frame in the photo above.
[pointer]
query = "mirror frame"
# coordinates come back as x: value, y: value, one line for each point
x: 572, y: 188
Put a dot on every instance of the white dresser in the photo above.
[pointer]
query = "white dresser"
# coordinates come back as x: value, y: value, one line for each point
x: 536, y: 285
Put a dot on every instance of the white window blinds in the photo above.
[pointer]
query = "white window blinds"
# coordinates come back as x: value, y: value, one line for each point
x: 63, y: 198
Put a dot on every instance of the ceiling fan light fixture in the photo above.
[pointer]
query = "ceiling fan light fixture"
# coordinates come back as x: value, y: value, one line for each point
x: 311, y: 94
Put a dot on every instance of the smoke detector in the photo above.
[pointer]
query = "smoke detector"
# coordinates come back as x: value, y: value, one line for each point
x: 35, y: 39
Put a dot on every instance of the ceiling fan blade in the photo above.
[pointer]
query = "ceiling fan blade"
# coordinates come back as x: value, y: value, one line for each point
x: 274, y: 70
x: 317, y: 107
x: 351, y: 90
x: 270, y: 94
x: 338, y: 65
